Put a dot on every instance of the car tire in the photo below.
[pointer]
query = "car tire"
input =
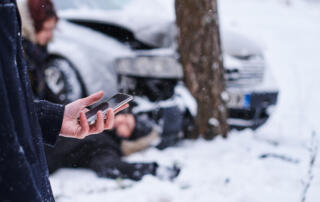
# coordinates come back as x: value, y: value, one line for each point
x: 63, y: 82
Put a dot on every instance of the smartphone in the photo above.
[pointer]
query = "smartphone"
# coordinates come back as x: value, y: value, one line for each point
x: 115, y: 102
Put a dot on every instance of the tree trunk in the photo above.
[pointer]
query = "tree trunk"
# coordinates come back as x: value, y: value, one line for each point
x: 201, y: 57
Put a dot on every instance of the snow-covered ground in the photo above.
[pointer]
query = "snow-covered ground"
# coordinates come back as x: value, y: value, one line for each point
x: 232, y: 169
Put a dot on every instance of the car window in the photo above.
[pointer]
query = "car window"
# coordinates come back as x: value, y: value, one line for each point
x: 90, y: 4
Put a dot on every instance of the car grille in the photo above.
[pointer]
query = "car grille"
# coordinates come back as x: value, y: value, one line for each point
x: 250, y: 72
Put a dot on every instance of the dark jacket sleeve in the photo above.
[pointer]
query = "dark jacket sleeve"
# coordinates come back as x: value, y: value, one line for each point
x: 50, y: 117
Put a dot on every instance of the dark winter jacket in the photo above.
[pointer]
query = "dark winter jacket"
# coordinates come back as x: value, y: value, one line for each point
x: 36, y: 57
x: 24, y: 124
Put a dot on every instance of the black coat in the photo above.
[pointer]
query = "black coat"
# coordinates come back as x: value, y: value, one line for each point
x: 36, y: 57
x: 24, y: 124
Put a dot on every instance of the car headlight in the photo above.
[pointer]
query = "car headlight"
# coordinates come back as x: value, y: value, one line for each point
x: 150, y: 66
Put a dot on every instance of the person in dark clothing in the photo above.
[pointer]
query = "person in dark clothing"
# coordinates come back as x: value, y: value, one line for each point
x: 37, y: 30
x: 26, y: 124
x: 103, y: 153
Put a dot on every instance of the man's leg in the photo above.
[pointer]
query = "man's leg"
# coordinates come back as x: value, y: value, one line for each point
x: 110, y: 165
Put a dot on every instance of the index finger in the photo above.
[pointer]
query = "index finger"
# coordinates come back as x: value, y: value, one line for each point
x: 91, y: 99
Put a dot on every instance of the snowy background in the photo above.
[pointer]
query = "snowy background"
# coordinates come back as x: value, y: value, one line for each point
x: 232, y: 169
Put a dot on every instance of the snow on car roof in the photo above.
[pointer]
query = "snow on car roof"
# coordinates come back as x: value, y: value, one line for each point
x: 123, y: 13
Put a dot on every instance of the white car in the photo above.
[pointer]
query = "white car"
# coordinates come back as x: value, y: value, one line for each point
x: 112, y: 46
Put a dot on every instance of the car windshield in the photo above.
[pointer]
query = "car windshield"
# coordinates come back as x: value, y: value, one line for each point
x: 91, y: 4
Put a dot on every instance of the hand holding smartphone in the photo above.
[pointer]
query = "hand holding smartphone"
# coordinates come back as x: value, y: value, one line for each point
x: 115, y: 102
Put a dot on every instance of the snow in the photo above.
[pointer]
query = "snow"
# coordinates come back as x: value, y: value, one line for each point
x: 233, y: 169
x: 182, y: 99
x: 129, y: 17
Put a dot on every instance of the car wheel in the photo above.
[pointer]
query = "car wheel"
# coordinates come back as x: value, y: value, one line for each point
x: 63, y: 81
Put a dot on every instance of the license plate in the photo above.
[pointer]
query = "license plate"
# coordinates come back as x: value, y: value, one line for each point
x: 239, y: 100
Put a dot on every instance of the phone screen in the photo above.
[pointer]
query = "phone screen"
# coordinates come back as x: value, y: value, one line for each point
x: 118, y: 100
x: 92, y: 114
x: 114, y: 102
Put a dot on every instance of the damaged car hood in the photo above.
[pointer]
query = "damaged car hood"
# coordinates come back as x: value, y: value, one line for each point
x: 153, y: 26
x: 154, y: 31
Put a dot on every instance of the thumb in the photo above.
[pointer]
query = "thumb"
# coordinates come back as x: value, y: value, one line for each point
x: 91, y: 99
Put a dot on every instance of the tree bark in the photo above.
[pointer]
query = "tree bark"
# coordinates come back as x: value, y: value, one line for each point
x: 201, y: 57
